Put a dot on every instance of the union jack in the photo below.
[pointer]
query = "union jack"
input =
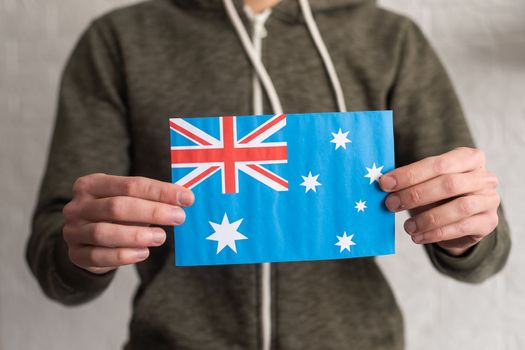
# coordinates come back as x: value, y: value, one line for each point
x: 229, y: 155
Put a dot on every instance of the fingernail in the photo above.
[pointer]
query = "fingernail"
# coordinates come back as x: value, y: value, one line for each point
x: 410, y: 226
x: 417, y: 238
x: 141, y: 253
x: 185, y: 197
x: 393, y: 202
x: 178, y: 215
x: 388, y: 182
x: 159, y: 237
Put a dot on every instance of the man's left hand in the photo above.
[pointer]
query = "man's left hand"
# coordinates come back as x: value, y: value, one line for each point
x: 452, y: 197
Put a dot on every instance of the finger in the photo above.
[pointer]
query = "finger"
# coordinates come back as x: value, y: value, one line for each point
x: 132, y: 210
x: 476, y: 226
x: 437, y: 189
x: 450, y: 212
x: 458, y: 160
x: 102, y: 185
x: 110, y: 235
x: 91, y: 257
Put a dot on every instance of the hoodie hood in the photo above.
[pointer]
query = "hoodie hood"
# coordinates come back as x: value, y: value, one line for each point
x: 289, y: 6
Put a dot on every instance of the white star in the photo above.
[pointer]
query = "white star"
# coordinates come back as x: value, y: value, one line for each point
x: 226, y: 234
x: 374, y: 173
x: 360, y: 206
x: 345, y: 242
x: 310, y: 182
x: 340, y: 139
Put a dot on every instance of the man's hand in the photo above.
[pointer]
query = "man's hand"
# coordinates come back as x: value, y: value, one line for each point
x: 107, y: 222
x: 452, y: 196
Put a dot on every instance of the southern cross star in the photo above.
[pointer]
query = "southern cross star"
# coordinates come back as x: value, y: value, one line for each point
x: 340, y: 139
x: 226, y: 234
x: 360, y: 206
x: 310, y: 182
x: 344, y: 242
x: 374, y: 173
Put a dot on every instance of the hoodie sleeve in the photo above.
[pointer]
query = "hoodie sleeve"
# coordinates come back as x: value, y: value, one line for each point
x: 90, y: 135
x: 429, y: 121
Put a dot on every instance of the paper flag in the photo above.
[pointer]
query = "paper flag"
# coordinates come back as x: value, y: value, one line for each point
x: 288, y: 187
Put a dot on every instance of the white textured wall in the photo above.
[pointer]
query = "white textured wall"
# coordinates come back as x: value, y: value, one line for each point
x: 482, y: 43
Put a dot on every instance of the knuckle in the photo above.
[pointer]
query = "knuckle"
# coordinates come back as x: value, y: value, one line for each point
x: 480, y: 156
x: 429, y: 220
x: 129, y: 186
x: 414, y: 196
x: 437, y: 235
x: 138, y: 237
x: 451, y: 185
x: 439, y: 165
x: 92, y: 257
x: 157, y: 213
x: 68, y: 210
x: 120, y: 256
x: 463, y: 227
x: 97, y: 233
x: 71, y: 211
x: 410, y: 176
x: 115, y: 207
x: 164, y: 194
x: 81, y: 185
x: 476, y: 154
x: 467, y: 207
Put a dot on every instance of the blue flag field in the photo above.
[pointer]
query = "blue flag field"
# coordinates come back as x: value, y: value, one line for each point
x: 288, y: 187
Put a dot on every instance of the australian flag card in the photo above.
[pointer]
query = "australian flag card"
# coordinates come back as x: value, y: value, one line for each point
x: 287, y: 187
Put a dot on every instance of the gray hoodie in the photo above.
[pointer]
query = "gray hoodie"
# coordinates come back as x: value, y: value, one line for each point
x: 135, y: 67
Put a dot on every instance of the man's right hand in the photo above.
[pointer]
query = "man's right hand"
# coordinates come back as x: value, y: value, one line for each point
x: 107, y: 224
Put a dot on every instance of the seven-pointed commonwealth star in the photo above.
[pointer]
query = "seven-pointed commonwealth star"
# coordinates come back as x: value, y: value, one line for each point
x: 310, y: 182
x: 345, y: 242
x: 360, y: 206
x: 226, y: 234
x: 374, y: 173
x: 340, y: 139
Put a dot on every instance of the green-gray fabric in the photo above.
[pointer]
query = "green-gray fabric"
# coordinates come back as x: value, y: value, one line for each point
x: 137, y: 66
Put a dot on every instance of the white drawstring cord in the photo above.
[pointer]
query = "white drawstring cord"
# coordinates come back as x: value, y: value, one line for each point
x: 261, y: 70
x: 258, y: 33
x: 256, y: 62
x: 325, y: 56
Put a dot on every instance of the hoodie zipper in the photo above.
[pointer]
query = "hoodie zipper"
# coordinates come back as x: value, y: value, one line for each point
x: 258, y: 34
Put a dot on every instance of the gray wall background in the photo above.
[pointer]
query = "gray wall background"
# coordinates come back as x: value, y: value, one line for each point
x: 482, y: 43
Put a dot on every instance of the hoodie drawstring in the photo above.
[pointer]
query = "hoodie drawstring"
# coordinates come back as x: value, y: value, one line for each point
x: 252, y: 55
x: 264, y: 78
x: 261, y: 70
x: 323, y: 51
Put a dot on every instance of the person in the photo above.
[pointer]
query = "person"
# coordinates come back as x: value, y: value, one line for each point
x: 106, y: 199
